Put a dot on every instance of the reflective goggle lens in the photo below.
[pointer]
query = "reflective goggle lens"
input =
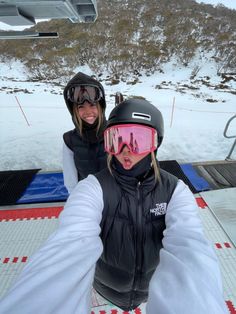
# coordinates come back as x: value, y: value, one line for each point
x: 81, y: 93
x: 140, y: 139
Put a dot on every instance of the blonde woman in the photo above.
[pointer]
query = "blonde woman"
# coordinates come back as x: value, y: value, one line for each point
x: 83, y: 148
x: 131, y: 231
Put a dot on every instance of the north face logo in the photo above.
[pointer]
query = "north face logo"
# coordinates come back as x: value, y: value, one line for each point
x: 159, y: 210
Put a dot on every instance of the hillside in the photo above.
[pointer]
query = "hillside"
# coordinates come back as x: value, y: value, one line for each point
x: 131, y: 38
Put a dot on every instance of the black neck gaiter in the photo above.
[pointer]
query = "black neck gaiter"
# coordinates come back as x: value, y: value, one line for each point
x: 140, y: 171
x: 90, y: 133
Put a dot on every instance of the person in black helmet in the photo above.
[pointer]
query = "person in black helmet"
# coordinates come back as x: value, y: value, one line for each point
x: 131, y: 231
x: 83, y: 147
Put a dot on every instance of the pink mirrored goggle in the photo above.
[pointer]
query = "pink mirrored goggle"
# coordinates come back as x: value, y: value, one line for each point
x: 140, y: 139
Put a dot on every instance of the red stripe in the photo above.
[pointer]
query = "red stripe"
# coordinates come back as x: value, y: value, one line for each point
x: 14, y: 260
x: 221, y: 246
x: 30, y: 213
x: 231, y: 307
x: 200, y: 202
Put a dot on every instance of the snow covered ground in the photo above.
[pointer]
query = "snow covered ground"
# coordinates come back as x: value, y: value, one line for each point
x: 32, y: 123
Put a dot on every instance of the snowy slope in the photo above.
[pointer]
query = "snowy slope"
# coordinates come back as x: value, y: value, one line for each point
x: 33, y: 115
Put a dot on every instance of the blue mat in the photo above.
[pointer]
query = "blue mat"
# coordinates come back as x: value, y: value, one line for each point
x: 45, y: 187
x: 49, y: 187
x: 173, y: 167
x: 199, y: 183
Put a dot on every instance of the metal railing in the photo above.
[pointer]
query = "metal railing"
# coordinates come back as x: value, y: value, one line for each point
x: 230, y: 136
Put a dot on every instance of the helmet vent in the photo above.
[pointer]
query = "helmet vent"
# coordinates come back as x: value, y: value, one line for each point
x: 139, y: 115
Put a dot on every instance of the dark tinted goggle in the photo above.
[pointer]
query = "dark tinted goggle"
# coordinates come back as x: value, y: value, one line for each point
x: 80, y: 94
x: 140, y: 139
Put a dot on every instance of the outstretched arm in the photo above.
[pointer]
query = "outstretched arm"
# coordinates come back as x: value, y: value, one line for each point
x: 58, y: 278
x: 187, y: 279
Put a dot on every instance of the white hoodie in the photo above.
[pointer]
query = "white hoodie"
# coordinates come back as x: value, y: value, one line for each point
x: 58, y: 278
x: 70, y: 174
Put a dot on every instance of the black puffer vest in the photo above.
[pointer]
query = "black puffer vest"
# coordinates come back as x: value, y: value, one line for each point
x: 132, y: 228
x: 89, y: 157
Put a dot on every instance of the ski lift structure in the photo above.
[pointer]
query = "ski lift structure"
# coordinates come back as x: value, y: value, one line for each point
x: 230, y: 136
x: 25, y: 13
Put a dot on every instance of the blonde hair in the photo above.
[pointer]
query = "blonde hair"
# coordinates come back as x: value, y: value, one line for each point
x: 155, y: 166
x: 79, y: 122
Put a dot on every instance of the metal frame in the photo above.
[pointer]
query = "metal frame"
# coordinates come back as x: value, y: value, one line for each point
x: 26, y: 12
x: 230, y: 136
x: 27, y: 35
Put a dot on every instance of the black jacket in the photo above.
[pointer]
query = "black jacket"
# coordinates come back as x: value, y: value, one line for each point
x: 131, y: 230
x: 89, y: 157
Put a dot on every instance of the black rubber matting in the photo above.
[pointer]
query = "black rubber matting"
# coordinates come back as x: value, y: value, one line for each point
x: 13, y: 184
x: 220, y: 175
x: 174, y: 168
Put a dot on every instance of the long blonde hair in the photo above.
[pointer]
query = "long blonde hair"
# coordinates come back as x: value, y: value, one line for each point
x: 79, y: 122
x: 155, y: 166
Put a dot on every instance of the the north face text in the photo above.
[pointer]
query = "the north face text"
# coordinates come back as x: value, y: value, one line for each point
x: 160, y: 209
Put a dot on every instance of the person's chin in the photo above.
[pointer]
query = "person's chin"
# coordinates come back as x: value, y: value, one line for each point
x: 127, y: 166
x: 90, y: 121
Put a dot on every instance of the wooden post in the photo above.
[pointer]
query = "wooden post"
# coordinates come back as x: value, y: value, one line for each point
x: 172, y: 112
x: 22, y: 111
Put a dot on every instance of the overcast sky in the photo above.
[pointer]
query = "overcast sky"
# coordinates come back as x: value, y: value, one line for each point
x: 228, y: 3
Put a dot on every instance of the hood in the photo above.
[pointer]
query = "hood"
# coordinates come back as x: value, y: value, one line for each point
x: 81, y: 78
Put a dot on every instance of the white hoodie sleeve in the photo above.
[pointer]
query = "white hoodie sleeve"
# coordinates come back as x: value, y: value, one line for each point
x: 70, y: 174
x: 187, y: 279
x: 58, y: 278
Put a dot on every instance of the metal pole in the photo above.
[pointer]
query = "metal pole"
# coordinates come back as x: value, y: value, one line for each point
x: 232, y: 148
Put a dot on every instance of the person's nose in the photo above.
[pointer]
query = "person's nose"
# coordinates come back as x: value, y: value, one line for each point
x: 88, y: 108
x: 125, y: 150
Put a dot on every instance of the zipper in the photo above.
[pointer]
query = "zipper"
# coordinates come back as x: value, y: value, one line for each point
x: 139, y: 237
x: 139, y: 229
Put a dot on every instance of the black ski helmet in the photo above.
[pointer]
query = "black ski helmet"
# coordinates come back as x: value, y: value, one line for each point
x: 138, y: 111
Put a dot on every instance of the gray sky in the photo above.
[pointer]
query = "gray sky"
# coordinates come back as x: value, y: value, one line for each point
x: 228, y: 3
